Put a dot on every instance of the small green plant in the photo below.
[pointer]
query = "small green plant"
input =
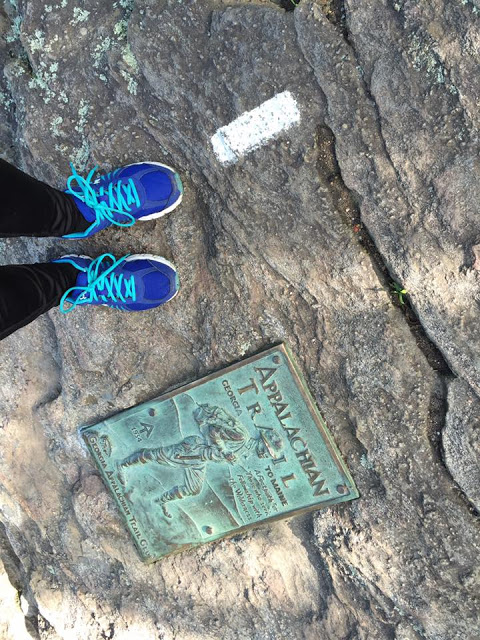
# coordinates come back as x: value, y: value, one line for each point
x: 399, y: 291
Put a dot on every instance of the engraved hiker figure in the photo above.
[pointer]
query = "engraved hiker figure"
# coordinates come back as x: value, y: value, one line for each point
x: 222, y: 439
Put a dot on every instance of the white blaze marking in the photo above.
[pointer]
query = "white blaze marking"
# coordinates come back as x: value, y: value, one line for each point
x: 254, y: 128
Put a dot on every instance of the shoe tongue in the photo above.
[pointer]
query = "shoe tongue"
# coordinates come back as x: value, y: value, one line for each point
x: 80, y: 282
x: 82, y: 279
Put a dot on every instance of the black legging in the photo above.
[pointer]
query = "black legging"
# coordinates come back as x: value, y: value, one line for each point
x: 29, y: 207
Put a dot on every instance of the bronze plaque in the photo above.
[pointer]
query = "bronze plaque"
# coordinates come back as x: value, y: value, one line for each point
x: 243, y: 446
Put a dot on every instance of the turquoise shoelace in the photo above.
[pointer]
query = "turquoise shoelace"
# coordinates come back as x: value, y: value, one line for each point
x: 120, y: 197
x: 113, y: 287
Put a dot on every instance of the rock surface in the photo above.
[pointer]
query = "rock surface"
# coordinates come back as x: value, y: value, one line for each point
x: 298, y: 241
x: 461, y: 439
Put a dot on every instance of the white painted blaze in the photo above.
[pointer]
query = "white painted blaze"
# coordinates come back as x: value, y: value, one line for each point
x: 255, y: 128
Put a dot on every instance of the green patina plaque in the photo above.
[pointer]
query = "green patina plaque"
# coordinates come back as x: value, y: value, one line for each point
x: 240, y: 447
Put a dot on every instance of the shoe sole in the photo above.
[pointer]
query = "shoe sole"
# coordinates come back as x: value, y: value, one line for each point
x: 159, y: 214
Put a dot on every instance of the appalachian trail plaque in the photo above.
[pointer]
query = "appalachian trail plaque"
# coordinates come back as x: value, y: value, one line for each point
x: 243, y: 446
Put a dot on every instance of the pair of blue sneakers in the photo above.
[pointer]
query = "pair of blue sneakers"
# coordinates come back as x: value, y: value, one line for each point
x: 141, y: 191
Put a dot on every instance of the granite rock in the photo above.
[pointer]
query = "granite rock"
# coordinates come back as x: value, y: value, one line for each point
x: 299, y: 241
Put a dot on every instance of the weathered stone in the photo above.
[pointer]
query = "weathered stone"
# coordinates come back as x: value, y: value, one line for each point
x: 461, y: 440
x: 406, y: 144
x: 272, y: 248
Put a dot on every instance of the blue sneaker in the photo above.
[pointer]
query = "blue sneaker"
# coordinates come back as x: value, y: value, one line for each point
x: 141, y: 191
x: 133, y: 283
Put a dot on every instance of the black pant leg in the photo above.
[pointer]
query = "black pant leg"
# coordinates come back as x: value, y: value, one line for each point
x: 28, y: 290
x: 29, y: 207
